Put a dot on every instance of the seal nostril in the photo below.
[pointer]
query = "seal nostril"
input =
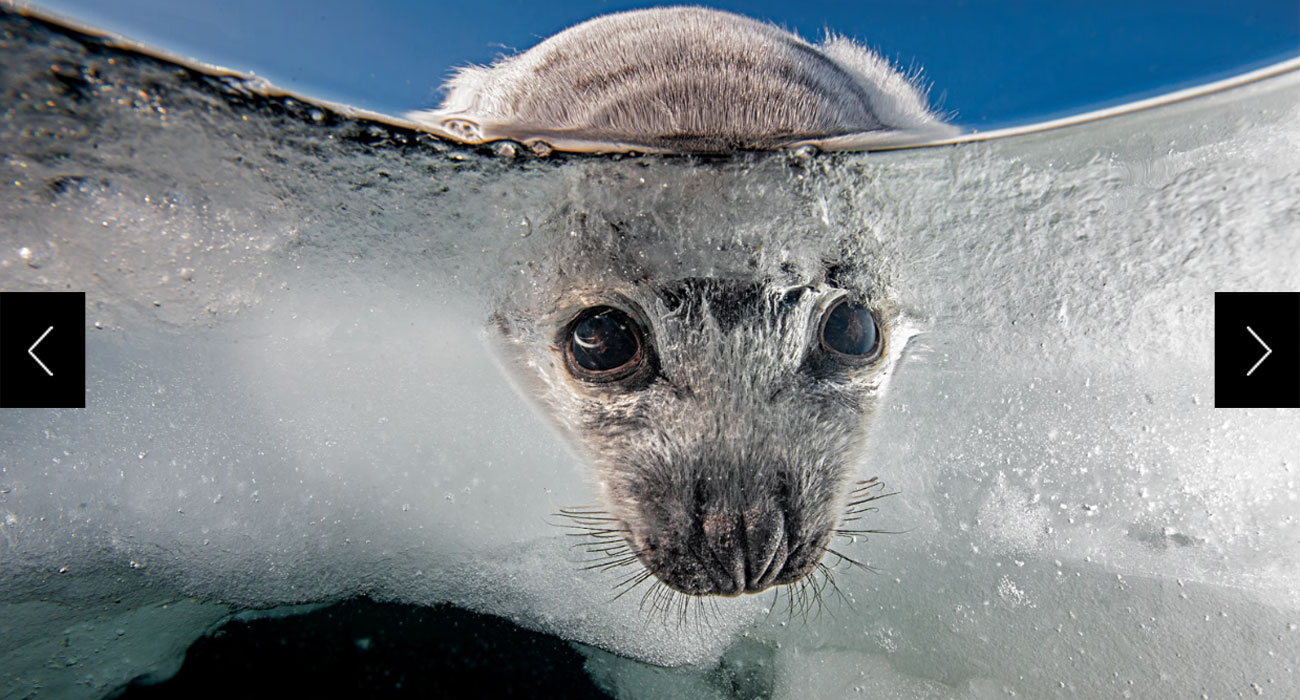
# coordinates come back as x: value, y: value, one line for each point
x: 724, y: 551
x: 801, y: 559
x: 774, y: 567
x: 765, y: 549
x: 683, y: 566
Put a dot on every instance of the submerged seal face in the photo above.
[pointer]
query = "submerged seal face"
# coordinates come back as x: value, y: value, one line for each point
x: 724, y: 417
x: 727, y: 415
x: 685, y: 79
x: 720, y: 390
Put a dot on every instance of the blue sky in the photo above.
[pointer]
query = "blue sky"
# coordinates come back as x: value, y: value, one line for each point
x: 989, y: 64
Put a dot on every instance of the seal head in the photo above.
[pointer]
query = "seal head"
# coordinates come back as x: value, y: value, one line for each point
x: 685, y: 80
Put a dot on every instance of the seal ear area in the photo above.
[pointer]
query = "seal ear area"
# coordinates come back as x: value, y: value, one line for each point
x: 512, y: 341
x: 509, y: 346
x: 500, y: 325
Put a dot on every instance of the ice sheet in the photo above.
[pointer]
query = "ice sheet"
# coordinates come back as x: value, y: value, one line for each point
x: 291, y: 399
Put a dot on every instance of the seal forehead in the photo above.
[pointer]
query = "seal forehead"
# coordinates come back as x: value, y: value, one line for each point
x: 728, y: 302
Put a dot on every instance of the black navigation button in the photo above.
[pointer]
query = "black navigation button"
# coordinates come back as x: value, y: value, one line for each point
x: 1257, y: 349
x: 42, y: 349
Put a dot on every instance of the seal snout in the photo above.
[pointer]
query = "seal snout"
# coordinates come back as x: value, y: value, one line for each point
x: 743, y: 553
x: 714, y: 549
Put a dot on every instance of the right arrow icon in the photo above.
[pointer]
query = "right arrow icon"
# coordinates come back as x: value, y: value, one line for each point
x: 1271, y: 316
x: 1267, y: 351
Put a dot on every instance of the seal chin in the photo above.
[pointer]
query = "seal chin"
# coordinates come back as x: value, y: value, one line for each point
x: 730, y: 553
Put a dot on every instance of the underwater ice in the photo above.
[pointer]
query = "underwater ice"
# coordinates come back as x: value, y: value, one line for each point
x: 292, y: 400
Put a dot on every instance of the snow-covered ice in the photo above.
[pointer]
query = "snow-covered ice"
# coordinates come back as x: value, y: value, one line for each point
x: 291, y: 398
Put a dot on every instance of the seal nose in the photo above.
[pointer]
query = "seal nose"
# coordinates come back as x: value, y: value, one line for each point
x: 743, y: 553
x: 705, y: 542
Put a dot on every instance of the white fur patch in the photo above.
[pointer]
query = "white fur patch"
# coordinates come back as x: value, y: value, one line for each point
x: 685, y: 79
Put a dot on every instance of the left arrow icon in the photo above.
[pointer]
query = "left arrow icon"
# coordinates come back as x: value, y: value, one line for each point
x: 31, y: 351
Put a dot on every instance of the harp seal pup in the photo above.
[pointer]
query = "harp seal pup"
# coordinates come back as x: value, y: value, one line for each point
x: 685, y: 79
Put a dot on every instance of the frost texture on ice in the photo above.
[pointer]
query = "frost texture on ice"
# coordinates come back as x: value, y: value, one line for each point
x: 291, y: 398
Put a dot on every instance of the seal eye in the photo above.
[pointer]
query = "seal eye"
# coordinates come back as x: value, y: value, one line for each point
x: 605, y: 345
x: 850, y: 331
